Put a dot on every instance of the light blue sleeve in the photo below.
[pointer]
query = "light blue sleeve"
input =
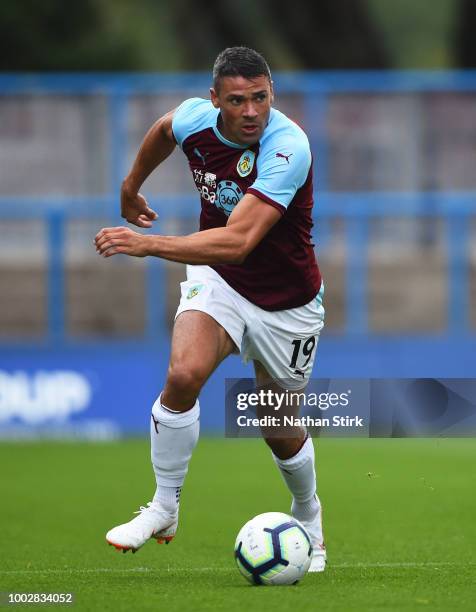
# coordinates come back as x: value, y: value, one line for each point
x: 192, y: 116
x: 283, y: 165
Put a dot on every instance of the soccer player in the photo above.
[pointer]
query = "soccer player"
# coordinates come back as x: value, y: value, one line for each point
x: 253, y: 285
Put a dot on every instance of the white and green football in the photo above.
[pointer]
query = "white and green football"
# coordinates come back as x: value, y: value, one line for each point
x: 273, y: 549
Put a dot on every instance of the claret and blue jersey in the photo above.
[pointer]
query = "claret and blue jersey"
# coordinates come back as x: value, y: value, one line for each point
x: 281, y: 272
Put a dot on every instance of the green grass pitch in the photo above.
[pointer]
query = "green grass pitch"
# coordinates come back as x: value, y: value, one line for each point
x: 400, y: 524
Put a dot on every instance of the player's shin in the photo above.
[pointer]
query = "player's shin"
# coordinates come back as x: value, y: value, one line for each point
x: 300, y: 477
x: 173, y: 437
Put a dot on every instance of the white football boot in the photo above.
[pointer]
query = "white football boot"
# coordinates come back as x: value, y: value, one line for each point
x: 152, y: 521
x: 314, y: 529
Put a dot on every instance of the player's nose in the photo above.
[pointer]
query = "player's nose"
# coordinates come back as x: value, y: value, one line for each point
x: 250, y: 112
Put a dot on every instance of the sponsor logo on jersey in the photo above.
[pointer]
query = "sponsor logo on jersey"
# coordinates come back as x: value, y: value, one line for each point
x: 206, y: 184
x: 284, y: 156
x: 210, y: 179
x: 207, y: 193
x: 245, y: 163
x: 228, y: 196
x: 193, y: 291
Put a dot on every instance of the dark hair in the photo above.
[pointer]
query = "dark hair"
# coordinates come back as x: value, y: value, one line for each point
x: 239, y: 61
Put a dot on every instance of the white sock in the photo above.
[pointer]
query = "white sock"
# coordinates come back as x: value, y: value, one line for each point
x: 173, y: 436
x: 305, y: 511
x: 168, y: 497
x: 300, y: 477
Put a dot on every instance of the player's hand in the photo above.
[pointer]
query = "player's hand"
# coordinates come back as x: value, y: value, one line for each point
x: 135, y: 209
x: 113, y: 240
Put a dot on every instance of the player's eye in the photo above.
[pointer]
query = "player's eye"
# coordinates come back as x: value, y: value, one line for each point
x: 235, y: 101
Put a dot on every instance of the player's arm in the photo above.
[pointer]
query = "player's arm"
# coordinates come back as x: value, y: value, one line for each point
x: 249, y: 222
x: 158, y: 144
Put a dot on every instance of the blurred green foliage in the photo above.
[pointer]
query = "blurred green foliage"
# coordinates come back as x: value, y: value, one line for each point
x: 418, y: 33
x: 87, y: 35
x: 155, y: 35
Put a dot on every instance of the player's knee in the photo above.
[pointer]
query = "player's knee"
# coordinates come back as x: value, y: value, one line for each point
x: 276, y: 444
x: 185, y: 379
x: 284, y: 448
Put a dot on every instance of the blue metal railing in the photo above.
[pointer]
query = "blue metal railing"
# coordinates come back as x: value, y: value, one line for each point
x: 357, y: 208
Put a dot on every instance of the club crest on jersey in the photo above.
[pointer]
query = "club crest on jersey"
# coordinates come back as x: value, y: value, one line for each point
x: 245, y: 163
x: 193, y: 291
x: 228, y: 196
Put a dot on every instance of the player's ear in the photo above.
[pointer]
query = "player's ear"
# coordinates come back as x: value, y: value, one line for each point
x: 272, y: 92
x: 214, y: 98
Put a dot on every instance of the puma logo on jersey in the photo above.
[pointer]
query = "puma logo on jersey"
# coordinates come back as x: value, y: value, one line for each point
x: 203, y: 158
x: 286, y: 157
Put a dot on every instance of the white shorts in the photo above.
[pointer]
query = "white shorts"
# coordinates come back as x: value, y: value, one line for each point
x: 283, y: 341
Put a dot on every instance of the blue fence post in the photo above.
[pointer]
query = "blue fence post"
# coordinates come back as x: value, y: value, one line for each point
x: 457, y: 227
x: 118, y: 102
x: 56, y: 284
x: 315, y: 106
x: 316, y: 109
x: 357, y: 233
x: 156, y: 299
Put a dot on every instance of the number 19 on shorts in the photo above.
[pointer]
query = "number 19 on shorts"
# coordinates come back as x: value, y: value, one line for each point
x: 302, y: 352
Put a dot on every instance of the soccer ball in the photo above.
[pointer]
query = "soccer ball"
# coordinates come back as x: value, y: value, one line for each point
x: 273, y: 548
